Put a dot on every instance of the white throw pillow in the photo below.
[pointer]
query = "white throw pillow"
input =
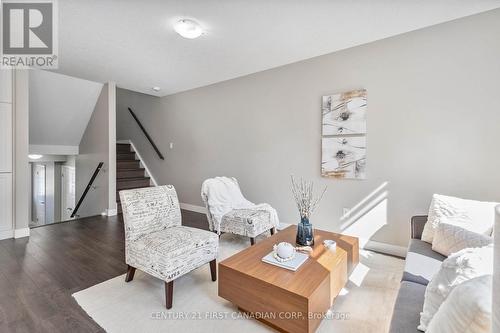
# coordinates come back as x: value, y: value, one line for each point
x: 449, y: 238
x: 477, y: 216
x: 459, y: 267
x: 466, y: 310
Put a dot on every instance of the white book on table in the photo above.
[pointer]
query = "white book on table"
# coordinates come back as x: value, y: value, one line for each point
x: 292, y: 264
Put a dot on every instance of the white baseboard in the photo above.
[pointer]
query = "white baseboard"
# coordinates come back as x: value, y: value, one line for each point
x: 111, y: 212
x: 20, y: 233
x: 17, y: 233
x: 283, y: 226
x: 6, y: 234
x: 394, y: 250
x: 193, y: 208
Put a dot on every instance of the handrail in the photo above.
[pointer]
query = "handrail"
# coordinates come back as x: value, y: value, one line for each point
x: 146, y: 134
x: 96, y: 172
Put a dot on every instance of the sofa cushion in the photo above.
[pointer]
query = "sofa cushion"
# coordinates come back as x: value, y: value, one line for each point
x: 449, y: 238
x: 421, y: 262
x: 466, y: 310
x: 409, y: 303
x: 472, y: 215
x: 456, y: 269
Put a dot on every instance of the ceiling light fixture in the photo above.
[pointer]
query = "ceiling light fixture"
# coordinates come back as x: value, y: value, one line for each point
x: 188, y: 28
x: 156, y: 89
x: 35, y: 156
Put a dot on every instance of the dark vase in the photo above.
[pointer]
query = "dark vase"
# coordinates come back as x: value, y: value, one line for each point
x: 305, y: 235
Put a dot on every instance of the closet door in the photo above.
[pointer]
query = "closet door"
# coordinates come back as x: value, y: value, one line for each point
x: 6, y: 202
x: 5, y: 86
x: 6, y: 224
x: 5, y: 137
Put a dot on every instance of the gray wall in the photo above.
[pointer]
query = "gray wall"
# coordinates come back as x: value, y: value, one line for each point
x: 94, y: 148
x: 432, y: 127
x: 126, y: 128
x: 60, y: 108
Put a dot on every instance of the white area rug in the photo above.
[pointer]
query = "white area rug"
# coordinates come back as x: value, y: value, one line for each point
x: 365, y: 304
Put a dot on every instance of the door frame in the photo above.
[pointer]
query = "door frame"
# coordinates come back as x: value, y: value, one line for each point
x: 64, y: 171
x: 35, y: 194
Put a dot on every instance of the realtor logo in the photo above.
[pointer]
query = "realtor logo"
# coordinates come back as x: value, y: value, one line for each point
x: 29, y: 34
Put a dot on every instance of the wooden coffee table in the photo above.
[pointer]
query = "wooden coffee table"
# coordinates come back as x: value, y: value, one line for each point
x: 286, y: 300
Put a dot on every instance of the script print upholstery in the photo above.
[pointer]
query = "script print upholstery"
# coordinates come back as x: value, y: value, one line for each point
x: 155, y: 241
x: 149, y: 209
x: 246, y: 222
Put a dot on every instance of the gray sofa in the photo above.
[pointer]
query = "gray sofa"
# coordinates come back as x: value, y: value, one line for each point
x: 421, y: 264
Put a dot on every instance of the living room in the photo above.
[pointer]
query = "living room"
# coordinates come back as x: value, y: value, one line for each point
x: 289, y: 166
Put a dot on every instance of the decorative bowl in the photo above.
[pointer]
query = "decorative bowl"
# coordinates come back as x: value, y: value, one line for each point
x: 284, y: 250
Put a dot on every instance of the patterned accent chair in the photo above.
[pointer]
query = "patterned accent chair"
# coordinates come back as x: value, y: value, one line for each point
x: 157, y: 243
x: 250, y: 221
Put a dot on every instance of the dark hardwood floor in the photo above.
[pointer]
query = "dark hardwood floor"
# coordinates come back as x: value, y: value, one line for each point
x: 38, y: 274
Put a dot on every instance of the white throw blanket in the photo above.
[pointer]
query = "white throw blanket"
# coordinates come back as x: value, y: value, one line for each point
x: 223, y: 194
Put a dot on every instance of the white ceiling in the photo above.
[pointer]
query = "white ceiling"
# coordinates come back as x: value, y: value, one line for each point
x: 133, y: 42
x: 60, y: 108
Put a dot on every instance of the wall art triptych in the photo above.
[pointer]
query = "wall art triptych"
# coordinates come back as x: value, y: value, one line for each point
x: 344, y: 135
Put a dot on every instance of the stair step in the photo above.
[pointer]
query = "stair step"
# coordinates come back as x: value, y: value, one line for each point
x: 125, y: 156
x: 128, y: 183
x: 123, y: 148
x: 118, y: 194
x: 130, y: 173
x: 127, y: 164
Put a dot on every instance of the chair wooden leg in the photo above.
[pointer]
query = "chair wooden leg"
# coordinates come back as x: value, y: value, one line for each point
x: 130, y: 273
x: 169, y: 294
x: 252, y: 241
x: 273, y: 231
x: 213, y: 269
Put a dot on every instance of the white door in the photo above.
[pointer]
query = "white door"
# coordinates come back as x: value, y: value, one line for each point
x: 67, y: 192
x: 39, y: 194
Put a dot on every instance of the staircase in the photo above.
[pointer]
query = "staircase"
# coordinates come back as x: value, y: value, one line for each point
x: 129, y: 174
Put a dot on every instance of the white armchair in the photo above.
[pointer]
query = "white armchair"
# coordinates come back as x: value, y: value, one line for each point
x: 155, y: 241
x: 229, y: 211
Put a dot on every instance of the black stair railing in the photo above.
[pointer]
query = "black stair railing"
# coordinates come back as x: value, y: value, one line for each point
x: 94, y: 176
x: 146, y: 134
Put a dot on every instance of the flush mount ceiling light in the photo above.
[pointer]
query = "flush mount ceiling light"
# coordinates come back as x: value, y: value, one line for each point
x: 188, y: 28
x: 156, y: 89
x: 35, y: 156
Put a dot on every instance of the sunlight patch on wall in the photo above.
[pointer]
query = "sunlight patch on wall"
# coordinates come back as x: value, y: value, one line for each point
x: 368, y: 216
